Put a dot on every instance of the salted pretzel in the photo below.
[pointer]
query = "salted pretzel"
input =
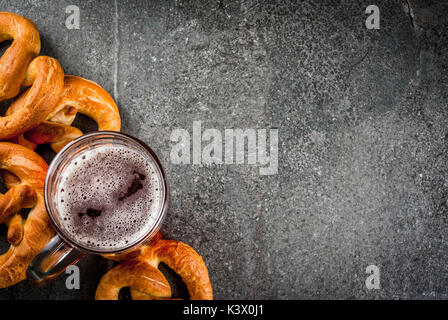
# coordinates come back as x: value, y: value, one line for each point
x: 142, y: 275
x: 19, y: 67
x: 78, y: 95
x: 28, y: 236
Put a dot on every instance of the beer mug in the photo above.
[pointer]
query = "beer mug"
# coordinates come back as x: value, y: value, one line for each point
x: 106, y: 193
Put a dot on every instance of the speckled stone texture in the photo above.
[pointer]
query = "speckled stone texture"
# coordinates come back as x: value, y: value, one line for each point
x: 362, y: 118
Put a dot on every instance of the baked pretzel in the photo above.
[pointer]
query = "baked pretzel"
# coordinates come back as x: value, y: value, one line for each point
x: 78, y: 95
x: 25, y: 179
x: 15, y: 60
x: 17, y: 68
x: 142, y: 275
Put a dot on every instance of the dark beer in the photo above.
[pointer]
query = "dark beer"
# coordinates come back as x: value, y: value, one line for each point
x: 109, y: 197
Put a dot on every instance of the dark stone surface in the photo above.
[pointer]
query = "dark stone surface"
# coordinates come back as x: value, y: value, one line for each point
x: 362, y: 119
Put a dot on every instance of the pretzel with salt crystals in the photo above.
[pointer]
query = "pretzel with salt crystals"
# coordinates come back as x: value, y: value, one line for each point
x: 147, y: 282
x: 19, y: 67
x: 78, y: 95
x: 28, y: 236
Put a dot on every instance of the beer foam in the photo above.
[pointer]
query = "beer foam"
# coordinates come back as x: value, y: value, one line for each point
x: 109, y: 197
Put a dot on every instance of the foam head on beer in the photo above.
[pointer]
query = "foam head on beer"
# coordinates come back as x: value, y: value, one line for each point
x: 108, y: 197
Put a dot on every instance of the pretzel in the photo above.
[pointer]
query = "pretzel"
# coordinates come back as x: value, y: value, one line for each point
x: 15, y: 60
x: 19, y: 67
x: 58, y: 135
x: 78, y: 95
x: 25, y: 179
x: 147, y: 282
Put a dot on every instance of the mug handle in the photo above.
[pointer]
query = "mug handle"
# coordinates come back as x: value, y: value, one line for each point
x: 52, y: 261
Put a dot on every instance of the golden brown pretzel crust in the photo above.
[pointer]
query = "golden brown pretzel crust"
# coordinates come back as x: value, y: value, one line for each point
x: 134, y: 273
x: 179, y: 256
x: 79, y: 95
x: 17, y: 68
x: 51, y: 96
x: 24, y: 48
x: 88, y: 98
x: 30, y: 169
x: 35, y: 104
x: 58, y: 135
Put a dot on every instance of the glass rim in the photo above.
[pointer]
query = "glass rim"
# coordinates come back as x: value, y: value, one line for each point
x: 56, y: 162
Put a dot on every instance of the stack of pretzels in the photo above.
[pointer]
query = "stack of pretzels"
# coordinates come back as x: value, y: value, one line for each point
x: 43, y: 113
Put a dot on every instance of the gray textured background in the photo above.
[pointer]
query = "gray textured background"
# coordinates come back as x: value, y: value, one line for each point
x: 362, y: 118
